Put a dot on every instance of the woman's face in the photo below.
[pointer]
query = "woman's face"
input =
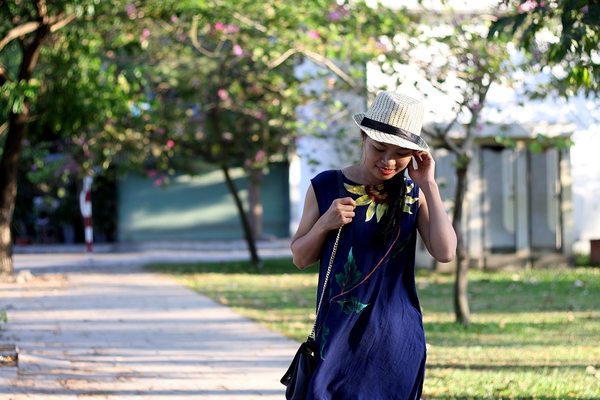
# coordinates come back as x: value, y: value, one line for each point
x: 384, y: 161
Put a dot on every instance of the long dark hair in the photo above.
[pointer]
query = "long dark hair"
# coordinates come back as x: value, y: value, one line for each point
x: 396, y: 191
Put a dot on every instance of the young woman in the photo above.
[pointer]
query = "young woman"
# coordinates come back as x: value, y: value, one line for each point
x: 369, y: 335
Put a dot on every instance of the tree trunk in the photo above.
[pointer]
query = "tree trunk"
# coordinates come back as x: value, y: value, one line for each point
x: 245, y: 224
x: 8, y: 183
x: 255, y: 208
x: 461, y: 301
x: 17, y: 128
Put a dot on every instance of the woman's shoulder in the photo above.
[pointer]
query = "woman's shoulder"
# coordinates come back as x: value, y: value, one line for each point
x: 324, y: 177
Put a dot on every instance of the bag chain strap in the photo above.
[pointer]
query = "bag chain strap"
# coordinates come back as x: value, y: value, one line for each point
x: 335, y: 246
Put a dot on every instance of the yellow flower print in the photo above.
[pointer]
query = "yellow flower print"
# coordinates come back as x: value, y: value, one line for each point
x: 408, y: 200
x: 372, y: 195
x: 376, y: 198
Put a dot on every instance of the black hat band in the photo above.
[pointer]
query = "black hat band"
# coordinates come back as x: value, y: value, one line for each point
x: 392, y: 130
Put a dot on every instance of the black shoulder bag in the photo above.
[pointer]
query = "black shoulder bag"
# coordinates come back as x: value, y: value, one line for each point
x: 302, y: 368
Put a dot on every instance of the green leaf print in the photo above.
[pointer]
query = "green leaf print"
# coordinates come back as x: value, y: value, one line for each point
x: 323, y: 340
x: 351, y: 274
x: 351, y: 305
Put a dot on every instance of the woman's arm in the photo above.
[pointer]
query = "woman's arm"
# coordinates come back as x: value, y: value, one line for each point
x: 433, y: 222
x: 313, y: 229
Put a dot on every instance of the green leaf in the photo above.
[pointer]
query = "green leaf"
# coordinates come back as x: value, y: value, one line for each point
x: 351, y: 274
x: 352, y: 305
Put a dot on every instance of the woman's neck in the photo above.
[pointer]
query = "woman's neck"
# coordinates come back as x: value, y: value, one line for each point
x: 357, y: 173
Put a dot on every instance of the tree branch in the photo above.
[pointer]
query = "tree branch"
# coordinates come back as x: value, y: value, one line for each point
x: 19, y: 31
x: 61, y: 23
x: 323, y: 61
x: 55, y: 23
x: 245, y: 20
x: 317, y: 58
x: 40, y: 5
x: 282, y: 58
x: 443, y: 135
x: 4, y: 76
x: 194, y: 38
x: 3, y: 129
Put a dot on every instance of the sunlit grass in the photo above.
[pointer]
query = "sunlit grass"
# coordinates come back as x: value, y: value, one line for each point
x: 533, y: 334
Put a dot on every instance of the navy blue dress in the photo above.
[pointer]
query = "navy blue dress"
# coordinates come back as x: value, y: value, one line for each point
x: 369, y: 336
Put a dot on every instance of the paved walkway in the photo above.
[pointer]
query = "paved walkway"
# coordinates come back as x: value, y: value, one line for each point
x: 110, y: 330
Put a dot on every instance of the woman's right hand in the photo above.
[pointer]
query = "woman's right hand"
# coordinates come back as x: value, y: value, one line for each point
x: 339, y: 213
x: 313, y: 228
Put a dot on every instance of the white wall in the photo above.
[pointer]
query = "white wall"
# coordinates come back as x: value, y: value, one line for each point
x: 329, y: 152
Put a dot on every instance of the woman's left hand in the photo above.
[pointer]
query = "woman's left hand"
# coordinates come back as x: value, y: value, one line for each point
x: 425, y: 172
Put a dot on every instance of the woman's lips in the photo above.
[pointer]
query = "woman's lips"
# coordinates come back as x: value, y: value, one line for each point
x: 386, y: 171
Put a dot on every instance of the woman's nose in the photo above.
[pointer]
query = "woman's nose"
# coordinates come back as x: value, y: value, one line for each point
x: 386, y: 159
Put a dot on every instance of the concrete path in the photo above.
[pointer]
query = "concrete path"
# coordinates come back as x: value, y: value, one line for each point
x: 110, y: 330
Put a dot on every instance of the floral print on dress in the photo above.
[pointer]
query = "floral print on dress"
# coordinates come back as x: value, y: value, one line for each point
x: 376, y: 198
x: 372, y: 195
x: 408, y: 199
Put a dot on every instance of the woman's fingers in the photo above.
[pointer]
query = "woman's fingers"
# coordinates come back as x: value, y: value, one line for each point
x: 343, y: 211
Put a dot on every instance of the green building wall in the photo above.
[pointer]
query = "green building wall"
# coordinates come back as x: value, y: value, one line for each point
x: 198, y: 207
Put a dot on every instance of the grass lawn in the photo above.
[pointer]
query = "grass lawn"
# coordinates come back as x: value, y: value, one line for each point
x: 533, y: 334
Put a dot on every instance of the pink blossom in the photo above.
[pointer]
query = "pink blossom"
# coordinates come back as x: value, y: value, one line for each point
x: 333, y: 16
x: 158, y: 182
x: 161, y: 130
x: 182, y: 37
x: 232, y: 28
x: 170, y: 144
x: 131, y: 9
x: 527, y: 6
x: 260, y: 155
x: 223, y: 95
x: 174, y: 18
x: 237, y: 50
x: 219, y: 26
x: 314, y: 34
x: 145, y: 33
x: 585, y: 9
x: 151, y: 173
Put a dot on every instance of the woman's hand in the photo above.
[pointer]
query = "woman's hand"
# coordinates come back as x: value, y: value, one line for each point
x: 314, y: 228
x: 425, y: 172
x: 339, y: 213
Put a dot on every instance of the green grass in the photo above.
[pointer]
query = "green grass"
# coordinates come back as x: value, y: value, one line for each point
x: 533, y: 335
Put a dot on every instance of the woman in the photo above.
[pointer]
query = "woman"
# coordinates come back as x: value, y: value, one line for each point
x: 369, y: 335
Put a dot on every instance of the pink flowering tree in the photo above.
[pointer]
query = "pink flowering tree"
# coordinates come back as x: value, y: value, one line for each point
x: 229, y: 78
x: 155, y: 85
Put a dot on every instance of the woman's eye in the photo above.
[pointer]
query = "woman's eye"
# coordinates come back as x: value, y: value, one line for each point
x: 379, y: 150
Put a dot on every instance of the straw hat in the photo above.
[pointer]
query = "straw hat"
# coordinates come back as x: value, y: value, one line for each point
x: 395, y: 119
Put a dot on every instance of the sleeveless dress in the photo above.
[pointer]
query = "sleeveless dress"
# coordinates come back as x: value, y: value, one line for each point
x: 369, y: 336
